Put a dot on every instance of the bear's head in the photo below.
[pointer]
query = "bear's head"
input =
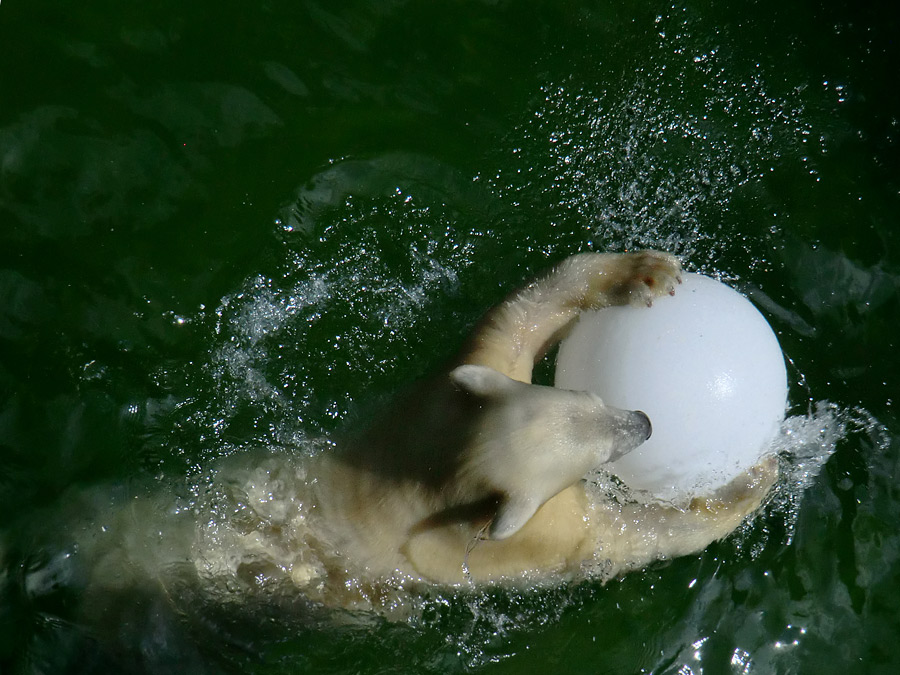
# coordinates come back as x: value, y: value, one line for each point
x: 530, y: 442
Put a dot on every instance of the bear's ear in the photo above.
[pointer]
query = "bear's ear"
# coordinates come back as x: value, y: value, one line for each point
x: 480, y: 380
x: 511, y: 515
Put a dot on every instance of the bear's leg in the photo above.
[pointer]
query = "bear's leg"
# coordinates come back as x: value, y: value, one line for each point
x: 519, y: 331
x: 648, y: 532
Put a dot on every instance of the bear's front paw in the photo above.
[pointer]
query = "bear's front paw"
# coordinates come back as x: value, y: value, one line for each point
x: 638, y: 278
x: 601, y: 280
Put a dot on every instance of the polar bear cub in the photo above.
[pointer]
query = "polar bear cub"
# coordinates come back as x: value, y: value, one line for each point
x: 474, y: 477
x: 477, y: 475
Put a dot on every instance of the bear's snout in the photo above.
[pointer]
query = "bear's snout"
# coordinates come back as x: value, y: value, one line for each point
x: 646, y: 420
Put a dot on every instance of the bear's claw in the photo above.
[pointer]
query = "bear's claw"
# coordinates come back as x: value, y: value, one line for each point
x: 651, y: 275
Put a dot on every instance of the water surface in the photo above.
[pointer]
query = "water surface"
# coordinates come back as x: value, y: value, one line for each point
x: 236, y: 230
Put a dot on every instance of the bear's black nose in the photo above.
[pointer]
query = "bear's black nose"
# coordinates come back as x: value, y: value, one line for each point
x: 647, y: 421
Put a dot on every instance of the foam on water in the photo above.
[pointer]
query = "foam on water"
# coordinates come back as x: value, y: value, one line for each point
x: 647, y: 160
x: 807, y: 441
x: 342, y: 311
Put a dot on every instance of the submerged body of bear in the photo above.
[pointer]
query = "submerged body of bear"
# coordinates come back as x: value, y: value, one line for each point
x: 476, y: 477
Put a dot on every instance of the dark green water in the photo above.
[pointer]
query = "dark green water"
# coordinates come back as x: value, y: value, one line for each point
x: 227, y: 227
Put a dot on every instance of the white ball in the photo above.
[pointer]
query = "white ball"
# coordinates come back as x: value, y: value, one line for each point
x: 706, y: 368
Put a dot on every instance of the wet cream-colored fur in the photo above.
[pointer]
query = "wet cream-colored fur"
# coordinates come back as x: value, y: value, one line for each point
x: 474, y: 477
x: 477, y: 475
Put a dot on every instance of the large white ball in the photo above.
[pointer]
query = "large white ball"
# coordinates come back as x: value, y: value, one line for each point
x: 706, y: 368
